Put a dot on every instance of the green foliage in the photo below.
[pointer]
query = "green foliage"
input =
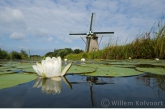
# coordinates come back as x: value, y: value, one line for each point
x: 4, y: 54
x: 143, y: 47
x: 63, y: 52
x: 24, y: 55
x: 15, y: 55
x: 77, y: 51
x: 50, y: 54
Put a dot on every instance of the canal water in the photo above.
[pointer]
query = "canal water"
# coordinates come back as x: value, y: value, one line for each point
x: 76, y: 91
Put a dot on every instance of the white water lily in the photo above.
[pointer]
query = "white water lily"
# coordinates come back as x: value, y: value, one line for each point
x: 50, y: 67
x: 157, y: 59
x: 82, y: 60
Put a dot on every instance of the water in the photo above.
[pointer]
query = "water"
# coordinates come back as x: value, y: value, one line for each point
x: 88, y: 92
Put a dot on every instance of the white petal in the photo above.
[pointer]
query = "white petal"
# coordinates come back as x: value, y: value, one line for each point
x: 51, y: 69
x: 59, y: 62
x: 43, y: 62
x: 48, y: 58
x: 54, y: 58
x: 40, y: 68
x: 36, y: 69
x: 66, y: 69
x: 57, y: 66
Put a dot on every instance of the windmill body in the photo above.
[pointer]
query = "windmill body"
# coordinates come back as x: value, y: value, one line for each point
x: 91, y: 43
x: 91, y: 38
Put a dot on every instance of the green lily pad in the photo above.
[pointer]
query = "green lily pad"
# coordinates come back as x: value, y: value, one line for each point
x: 80, y: 69
x: 125, y: 66
x: 109, y: 70
x: 9, y: 70
x: 10, y: 80
x: 4, y: 72
x: 24, y: 66
x: 135, y: 62
x: 29, y: 70
x: 156, y: 70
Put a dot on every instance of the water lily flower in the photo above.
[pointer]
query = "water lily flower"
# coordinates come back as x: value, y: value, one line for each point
x: 157, y: 59
x: 50, y: 67
x: 83, y: 60
x: 65, y: 60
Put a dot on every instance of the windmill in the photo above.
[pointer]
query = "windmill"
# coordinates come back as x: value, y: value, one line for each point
x: 91, y: 38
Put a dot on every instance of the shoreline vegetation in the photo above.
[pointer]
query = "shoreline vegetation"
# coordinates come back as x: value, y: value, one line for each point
x: 148, y: 45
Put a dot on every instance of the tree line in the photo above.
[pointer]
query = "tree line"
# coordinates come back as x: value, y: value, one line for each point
x: 13, y: 55
x: 63, y: 52
x: 23, y: 54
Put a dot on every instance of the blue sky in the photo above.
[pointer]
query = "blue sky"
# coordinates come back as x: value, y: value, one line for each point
x: 44, y: 25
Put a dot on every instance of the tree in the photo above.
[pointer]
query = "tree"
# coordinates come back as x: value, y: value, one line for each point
x: 50, y: 54
x: 4, y: 54
x: 59, y: 52
x: 15, y: 55
x: 77, y: 51
x: 68, y: 50
x: 62, y: 53
x: 23, y: 54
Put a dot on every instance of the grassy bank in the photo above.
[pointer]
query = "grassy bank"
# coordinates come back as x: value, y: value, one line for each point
x: 143, y: 47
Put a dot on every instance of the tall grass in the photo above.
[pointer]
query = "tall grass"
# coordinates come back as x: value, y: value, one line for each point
x: 143, y: 46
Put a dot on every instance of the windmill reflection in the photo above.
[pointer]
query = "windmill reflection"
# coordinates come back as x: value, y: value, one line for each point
x: 92, y: 81
x: 95, y: 80
x: 51, y: 85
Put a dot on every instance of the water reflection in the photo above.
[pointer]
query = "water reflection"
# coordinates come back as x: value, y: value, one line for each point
x: 155, y: 82
x: 51, y: 85
x: 87, y: 92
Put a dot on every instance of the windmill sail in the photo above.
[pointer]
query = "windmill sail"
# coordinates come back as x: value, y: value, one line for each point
x: 91, y: 38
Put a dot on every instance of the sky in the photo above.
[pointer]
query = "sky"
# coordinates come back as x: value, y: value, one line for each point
x: 40, y: 26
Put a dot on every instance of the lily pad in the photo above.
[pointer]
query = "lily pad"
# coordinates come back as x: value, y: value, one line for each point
x: 157, y: 70
x: 109, y: 70
x: 9, y: 70
x: 10, y: 80
x: 125, y: 66
x: 29, y: 70
x: 24, y: 65
x: 80, y: 69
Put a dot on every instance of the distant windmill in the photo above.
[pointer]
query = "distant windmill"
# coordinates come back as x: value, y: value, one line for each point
x: 91, y: 38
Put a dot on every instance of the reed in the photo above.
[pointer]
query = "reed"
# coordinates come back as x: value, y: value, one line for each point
x: 142, y: 47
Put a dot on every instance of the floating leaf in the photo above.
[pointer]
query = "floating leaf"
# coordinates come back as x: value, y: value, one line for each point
x: 80, y: 69
x: 29, y: 70
x: 157, y: 70
x: 10, y: 80
x: 109, y: 70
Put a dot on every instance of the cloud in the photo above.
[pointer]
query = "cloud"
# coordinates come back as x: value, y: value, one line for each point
x: 54, y: 19
x: 76, y: 47
x: 10, y: 16
x: 49, y: 39
x: 56, y: 42
x: 41, y: 32
x: 17, y: 36
x: 68, y: 40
